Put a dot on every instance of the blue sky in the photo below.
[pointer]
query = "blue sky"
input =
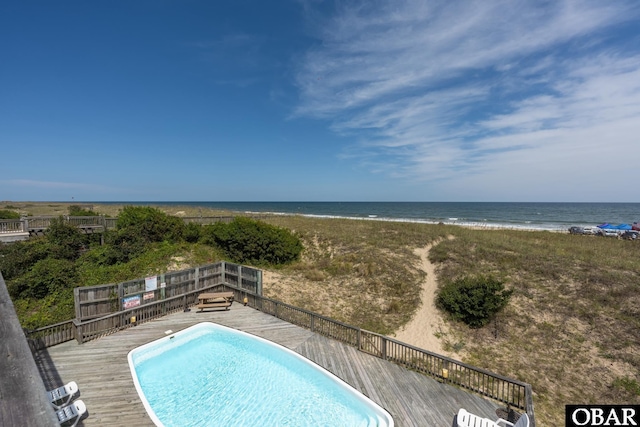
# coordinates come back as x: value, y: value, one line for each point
x: 308, y: 100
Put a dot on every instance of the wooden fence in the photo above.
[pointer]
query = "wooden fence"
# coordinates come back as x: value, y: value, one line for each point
x: 92, y: 224
x: 513, y: 393
x: 98, y: 301
x: 51, y: 335
x: 11, y: 226
x: 43, y: 222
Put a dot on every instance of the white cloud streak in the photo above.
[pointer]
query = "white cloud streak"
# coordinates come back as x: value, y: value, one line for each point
x: 482, y: 98
x: 17, y: 184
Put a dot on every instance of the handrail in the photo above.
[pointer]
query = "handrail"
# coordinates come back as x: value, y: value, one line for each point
x: 512, y: 392
x: 107, y: 223
x: 109, y: 324
x: 11, y: 226
x: 100, y: 300
x: 51, y: 335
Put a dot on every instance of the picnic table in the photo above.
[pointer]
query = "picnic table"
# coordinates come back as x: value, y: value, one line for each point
x: 215, y: 300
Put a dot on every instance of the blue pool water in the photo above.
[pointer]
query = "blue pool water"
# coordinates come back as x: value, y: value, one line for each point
x: 210, y: 375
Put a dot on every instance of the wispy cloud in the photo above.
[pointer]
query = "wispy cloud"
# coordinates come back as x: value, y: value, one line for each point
x: 486, y: 93
x: 16, y: 184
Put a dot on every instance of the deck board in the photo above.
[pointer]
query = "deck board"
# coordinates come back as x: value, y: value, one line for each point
x: 101, y: 370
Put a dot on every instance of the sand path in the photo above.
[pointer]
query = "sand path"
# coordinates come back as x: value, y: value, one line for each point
x: 426, y: 323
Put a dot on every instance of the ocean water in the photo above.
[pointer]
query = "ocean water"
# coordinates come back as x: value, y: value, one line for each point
x: 530, y: 216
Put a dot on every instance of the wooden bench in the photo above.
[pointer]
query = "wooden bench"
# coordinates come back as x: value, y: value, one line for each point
x: 215, y: 300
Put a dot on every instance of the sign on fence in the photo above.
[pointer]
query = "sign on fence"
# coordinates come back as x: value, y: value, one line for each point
x: 100, y: 300
x: 151, y: 283
x: 131, y: 302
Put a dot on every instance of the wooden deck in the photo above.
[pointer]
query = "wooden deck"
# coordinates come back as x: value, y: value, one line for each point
x: 101, y: 370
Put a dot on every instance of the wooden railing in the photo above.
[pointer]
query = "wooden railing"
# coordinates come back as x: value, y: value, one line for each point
x: 513, y: 393
x: 107, y: 325
x: 51, y: 335
x: 95, y: 328
x: 448, y: 370
x: 101, y: 300
x: 39, y: 223
x: 98, y: 222
x: 11, y: 226
x: 205, y: 220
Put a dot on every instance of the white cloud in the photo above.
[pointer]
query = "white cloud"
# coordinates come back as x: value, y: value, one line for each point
x: 478, y: 94
x: 17, y: 184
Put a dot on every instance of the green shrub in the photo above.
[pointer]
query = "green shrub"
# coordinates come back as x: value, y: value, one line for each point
x: 75, y: 210
x: 46, y: 277
x: 18, y: 257
x: 192, y: 232
x: 245, y: 240
x: 7, y: 214
x: 35, y: 313
x: 138, y: 227
x: 65, y: 240
x: 149, y: 224
x: 120, y: 247
x: 473, y: 299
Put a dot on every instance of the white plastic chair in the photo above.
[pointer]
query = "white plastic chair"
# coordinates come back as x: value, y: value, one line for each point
x: 467, y: 419
x: 61, y: 396
x: 70, y: 413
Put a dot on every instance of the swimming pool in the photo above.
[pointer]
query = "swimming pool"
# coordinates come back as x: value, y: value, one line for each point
x: 209, y: 374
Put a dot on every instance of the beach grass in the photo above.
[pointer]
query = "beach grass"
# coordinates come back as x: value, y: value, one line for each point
x: 571, y: 329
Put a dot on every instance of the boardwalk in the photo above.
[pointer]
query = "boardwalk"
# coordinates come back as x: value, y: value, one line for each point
x: 100, y: 368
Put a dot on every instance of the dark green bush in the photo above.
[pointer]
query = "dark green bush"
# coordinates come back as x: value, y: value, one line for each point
x: 75, y: 210
x: 120, y: 247
x: 18, y: 257
x: 65, y: 240
x: 149, y: 224
x: 47, y: 276
x: 7, y: 214
x: 192, y: 232
x: 138, y: 227
x: 475, y: 300
x: 245, y: 240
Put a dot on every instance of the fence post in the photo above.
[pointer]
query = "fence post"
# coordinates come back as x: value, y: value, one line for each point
x: 383, y: 350
x: 78, y: 332
x: 528, y: 396
x: 223, y: 277
x: 196, y: 279
x: 259, y: 283
x: 240, y: 277
x: 76, y: 301
x: 120, y: 296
